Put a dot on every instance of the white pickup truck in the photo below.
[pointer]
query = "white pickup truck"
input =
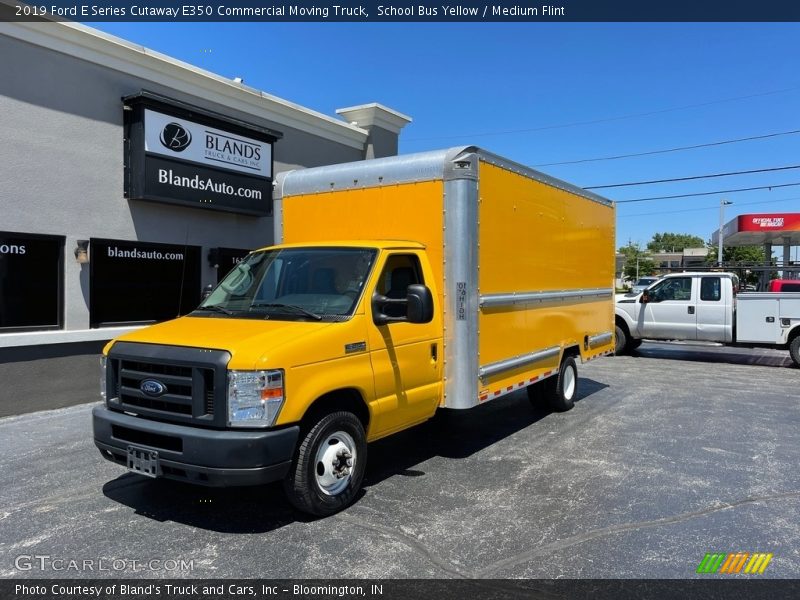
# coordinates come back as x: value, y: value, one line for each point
x: 707, y: 307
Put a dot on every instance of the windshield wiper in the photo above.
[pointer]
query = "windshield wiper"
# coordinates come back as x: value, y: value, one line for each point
x: 294, y: 307
x: 214, y: 307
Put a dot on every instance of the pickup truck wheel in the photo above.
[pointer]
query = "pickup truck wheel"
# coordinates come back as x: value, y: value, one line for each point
x: 620, y: 340
x: 794, y: 350
x: 329, y: 466
x: 566, y: 386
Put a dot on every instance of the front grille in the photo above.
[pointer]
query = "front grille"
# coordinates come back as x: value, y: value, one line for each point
x: 168, y: 383
x: 173, y: 407
x: 157, y: 368
x: 180, y: 383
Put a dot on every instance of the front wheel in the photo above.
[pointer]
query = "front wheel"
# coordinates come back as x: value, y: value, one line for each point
x: 328, y: 469
x: 794, y: 350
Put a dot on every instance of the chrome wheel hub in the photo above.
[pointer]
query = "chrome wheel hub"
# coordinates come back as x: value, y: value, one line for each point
x: 335, y: 460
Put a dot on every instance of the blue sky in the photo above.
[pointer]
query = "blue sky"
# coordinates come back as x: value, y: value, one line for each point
x: 464, y: 83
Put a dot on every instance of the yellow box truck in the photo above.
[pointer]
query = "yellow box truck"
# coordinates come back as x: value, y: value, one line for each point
x: 399, y: 286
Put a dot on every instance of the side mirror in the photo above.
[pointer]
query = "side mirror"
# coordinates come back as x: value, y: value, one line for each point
x: 417, y: 305
x: 420, y: 304
x: 645, y: 297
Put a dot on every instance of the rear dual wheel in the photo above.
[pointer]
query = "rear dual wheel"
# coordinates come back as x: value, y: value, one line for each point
x: 558, y: 392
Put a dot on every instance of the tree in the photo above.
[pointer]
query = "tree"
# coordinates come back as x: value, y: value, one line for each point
x: 636, y: 256
x: 674, y: 242
x: 737, y: 254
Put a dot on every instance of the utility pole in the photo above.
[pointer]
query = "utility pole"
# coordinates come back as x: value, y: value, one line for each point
x: 722, y: 205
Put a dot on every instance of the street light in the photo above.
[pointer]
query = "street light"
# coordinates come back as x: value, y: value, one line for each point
x: 722, y: 205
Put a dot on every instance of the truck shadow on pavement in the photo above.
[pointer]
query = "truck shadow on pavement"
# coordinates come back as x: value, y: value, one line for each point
x: 762, y: 357
x: 451, y: 434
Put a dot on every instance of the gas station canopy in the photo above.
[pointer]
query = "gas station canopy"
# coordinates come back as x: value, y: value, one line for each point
x: 777, y: 229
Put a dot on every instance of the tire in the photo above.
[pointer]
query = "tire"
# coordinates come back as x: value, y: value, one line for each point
x: 620, y: 341
x: 634, y: 344
x: 794, y: 350
x: 320, y: 481
x: 566, y: 387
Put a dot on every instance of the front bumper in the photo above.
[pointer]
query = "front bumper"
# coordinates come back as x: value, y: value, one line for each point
x: 211, y: 457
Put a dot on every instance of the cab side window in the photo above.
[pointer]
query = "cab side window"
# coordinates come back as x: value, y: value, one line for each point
x: 677, y: 288
x: 400, y: 271
x: 710, y: 289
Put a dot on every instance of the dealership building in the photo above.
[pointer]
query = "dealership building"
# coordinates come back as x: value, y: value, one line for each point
x: 131, y: 181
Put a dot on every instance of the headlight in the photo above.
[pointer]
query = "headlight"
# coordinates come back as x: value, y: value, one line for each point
x: 103, y: 377
x: 254, y: 397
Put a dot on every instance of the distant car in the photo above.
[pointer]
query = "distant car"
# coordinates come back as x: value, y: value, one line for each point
x: 784, y: 285
x: 643, y: 284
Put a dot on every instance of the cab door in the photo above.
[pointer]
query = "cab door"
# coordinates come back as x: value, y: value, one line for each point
x: 713, y: 320
x: 671, y: 311
x: 406, y: 357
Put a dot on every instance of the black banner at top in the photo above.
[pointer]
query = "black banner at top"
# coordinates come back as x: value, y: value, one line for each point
x: 402, y: 10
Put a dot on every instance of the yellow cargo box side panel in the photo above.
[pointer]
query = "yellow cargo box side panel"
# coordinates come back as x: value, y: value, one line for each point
x: 538, y: 238
x: 409, y: 211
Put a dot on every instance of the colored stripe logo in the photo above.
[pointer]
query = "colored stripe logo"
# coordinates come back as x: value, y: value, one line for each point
x: 735, y: 562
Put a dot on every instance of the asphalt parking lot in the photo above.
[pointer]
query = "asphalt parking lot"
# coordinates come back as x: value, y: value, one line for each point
x: 669, y: 454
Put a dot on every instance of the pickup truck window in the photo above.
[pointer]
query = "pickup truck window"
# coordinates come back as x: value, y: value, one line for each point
x: 292, y: 284
x: 676, y: 288
x: 710, y: 289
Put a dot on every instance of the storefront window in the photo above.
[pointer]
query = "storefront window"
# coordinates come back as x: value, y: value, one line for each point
x: 138, y: 282
x: 31, y: 281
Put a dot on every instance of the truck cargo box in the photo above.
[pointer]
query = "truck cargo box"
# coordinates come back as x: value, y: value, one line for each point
x: 523, y: 262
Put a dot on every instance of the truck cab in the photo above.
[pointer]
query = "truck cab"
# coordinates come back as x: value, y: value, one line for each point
x: 293, y: 331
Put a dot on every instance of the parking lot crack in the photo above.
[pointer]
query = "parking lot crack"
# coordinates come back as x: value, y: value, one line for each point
x: 493, y: 569
x: 409, y: 541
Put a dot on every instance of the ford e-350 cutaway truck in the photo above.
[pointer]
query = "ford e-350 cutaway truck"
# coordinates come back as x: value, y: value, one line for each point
x: 399, y: 286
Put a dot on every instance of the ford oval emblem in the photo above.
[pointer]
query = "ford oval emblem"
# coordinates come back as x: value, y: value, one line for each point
x: 151, y: 387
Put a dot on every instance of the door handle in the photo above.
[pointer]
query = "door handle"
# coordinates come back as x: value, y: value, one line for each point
x: 434, y: 352
x: 691, y: 310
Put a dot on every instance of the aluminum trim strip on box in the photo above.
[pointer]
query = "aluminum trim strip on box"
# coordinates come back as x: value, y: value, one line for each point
x: 512, y: 298
x: 517, y: 361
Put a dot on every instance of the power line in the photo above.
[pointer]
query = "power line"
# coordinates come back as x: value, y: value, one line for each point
x: 652, y: 181
x: 765, y: 187
x: 606, y: 119
x: 668, y: 150
x: 715, y: 207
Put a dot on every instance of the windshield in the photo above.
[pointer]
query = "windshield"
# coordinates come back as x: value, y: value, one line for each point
x: 646, y: 281
x: 292, y: 284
